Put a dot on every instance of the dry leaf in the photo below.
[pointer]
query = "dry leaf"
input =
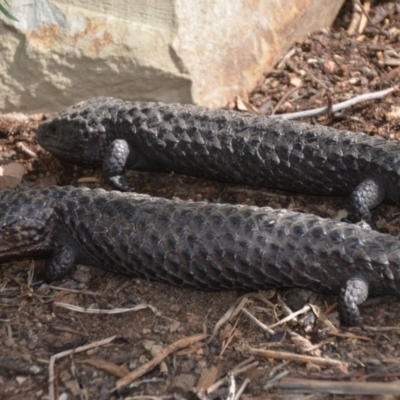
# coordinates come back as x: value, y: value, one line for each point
x: 243, y: 105
x: 303, y: 345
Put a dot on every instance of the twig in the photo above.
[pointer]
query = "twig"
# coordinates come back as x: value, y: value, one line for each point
x: 237, y: 307
x: 207, y: 378
x: 232, y: 387
x: 364, y: 17
x: 235, y: 372
x: 286, y: 57
x: 291, y: 316
x: 141, y: 382
x: 273, y: 381
x: 231, y: 313
x: 338, y: 106
x: 145, y: 397
x: 143, y: 369
x: 31, y: 273
x: 107, y: 366
x: 258, y: 322
x: 284, y: 355
x: 389, y: 61
x: 387, y: 34
x: 73, y: 290
x: 72, y: 307
x: 241, y: 389
x: 381, y: 328
x: 23, y: 148
x: 67, y: 353
x: 283, y: 98
x: 323, y: 317
x: 315, y: 79
x: 355, y: 19
x: 68, y: 330
x: 273, y: 370
x: 25, y: 288
x: 333, y: 387
x: 232, y: 334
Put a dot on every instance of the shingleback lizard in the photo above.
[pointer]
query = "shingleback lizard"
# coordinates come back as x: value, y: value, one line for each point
x: 226, y: 146
x: 196, y: 244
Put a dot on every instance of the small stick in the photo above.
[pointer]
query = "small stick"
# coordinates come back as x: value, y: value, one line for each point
x: 387, y: 34
x: 273, y: 382
x: 365, y: 9
x: 74, y: 290
x: 239, y: 369
x: 232, y: 387
x: 381, y: 328
x: 232, y: 334
x: 67, y: 353
x: 336, y: 107
x: 143, y: 369
x: 72, y: 307
x: 333, y: 387
x: 68, y: 330
x: 107, y: 366
x: 284, y: 355
x: 231, y: 313
x: 258, y: 322
x: 241, y: 389
x: 283, y: 98
x: 355, y: 19
x: 291, y: 316
x: 23, y: 148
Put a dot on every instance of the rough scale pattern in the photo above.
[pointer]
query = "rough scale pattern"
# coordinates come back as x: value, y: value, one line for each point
x: 200, y: 245
x: 226, y: 146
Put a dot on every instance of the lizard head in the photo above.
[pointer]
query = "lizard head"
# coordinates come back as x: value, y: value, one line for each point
x: 26, y: 223
x: 79, y: 134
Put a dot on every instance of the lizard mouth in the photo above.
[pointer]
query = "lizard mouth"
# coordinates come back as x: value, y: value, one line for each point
x: 33, y: 249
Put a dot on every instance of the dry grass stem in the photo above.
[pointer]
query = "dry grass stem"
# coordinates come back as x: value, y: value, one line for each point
x: 338, y: 106
x: 257, y: 321
x: 340, y: 387
x: 72, y: 307
x: 67, y: 353
x: 143, y: 369
x: 239, y: 369
x: 283, y: 355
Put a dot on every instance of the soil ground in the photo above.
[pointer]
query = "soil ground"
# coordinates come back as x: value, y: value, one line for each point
x: 326, y: 68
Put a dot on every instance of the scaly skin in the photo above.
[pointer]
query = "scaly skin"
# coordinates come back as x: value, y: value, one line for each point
x: 226, y: 146
x: 199, y: 245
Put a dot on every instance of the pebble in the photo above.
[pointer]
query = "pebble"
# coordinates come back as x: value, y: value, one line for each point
x: 21, y: 379
x: 296, y: 81
x: 175, y: 308
x: 11, y: 175
x: 394, y: 114
x: 82, y: 274
x: 174, y: 326
x: 9, y: 155
x: 156, y: 350
x: 185, y: 382
x: 329, y: 67
x: 162, y: 330
x: 354, y: 80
